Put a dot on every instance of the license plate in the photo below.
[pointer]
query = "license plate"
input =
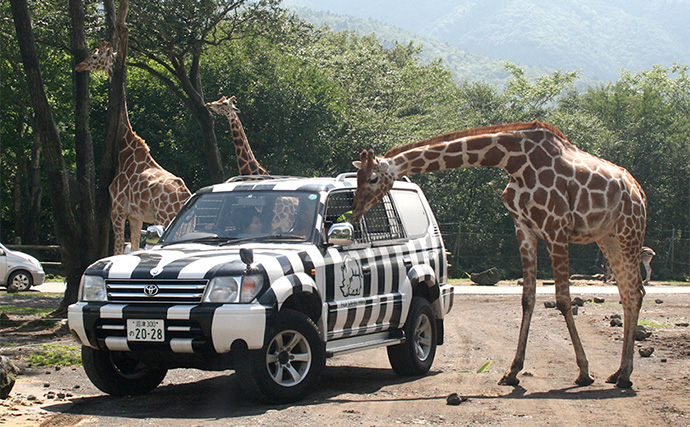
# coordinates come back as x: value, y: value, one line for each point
x: 149, y: 330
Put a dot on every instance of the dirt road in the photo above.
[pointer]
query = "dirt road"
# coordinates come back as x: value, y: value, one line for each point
x: 361, y: 389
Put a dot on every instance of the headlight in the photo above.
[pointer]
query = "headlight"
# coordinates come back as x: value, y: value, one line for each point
x: 251, y: 285
x: 230, y: 289
x: 92, y: 288
x: 222, y: 289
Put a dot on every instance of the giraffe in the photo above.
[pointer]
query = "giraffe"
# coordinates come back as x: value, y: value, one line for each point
x: 142, y: 191
x: 246, y: 162
x: 285, y: 208
x: 556, y: 193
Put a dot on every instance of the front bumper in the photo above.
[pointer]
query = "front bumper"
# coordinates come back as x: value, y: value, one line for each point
x: 202, y: 328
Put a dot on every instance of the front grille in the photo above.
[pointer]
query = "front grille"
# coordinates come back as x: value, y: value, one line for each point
x: 159, y: 291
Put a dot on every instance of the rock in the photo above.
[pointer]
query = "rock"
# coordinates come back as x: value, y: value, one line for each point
x: 615, y: 316
x: 575, y: 308
x: 550, y: 304
x: 646, y: 351
x: 454, y: 400
x: 683, y: 324
x: 578, y: 301
x: 641, y: 333
x: 8, y: 375
x: 598, y: 300
x: 616, y: 322
x: 487, y: 277
x: 659, y: 301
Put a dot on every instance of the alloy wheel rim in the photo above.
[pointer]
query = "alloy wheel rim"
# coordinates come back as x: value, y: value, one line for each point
x: 288, y: 358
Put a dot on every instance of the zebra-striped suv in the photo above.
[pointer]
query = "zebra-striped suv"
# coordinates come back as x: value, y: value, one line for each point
x: 265, y: 275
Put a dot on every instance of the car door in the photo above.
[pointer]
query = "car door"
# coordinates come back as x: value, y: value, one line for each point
x: 364, y: 279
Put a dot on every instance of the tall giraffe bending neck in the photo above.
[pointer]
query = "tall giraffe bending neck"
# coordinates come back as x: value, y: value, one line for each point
x: 246, y: 162
x: 557, y: 193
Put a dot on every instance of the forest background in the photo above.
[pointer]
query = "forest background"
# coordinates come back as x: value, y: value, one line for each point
x: 310, y: 99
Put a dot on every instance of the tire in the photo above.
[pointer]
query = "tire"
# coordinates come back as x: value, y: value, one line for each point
x: 21, y: 279
x: 117, y: 374
x: 289, y: 365
x: 415, y: 356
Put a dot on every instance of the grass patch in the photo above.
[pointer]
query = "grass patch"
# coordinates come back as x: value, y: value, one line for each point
x: 653, y: 324
x: 54, y: 278
x: 15, y: 309
x: 55, y: 355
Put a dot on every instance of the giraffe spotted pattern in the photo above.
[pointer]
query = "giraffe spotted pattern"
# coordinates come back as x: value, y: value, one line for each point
x: 557, y: 193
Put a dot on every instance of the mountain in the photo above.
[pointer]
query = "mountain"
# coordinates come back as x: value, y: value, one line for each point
x: 463, y: 65
x: 598, y: 37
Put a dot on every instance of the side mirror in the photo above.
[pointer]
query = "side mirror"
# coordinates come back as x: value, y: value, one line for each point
x: 342, y: 233
x: 247, y: 256
x: 153, y: 235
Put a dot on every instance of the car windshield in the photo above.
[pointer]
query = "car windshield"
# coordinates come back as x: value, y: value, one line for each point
x: 226, y: 217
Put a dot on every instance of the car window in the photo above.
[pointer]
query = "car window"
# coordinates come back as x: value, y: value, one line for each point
x: 381, y: 222
x: 242, y: 214
x: 412, y: 213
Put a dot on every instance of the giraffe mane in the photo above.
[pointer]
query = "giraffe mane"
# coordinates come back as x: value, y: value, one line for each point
x: 476, y: 131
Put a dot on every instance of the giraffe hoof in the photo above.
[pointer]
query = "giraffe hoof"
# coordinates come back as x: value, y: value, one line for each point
x: 621, y: 383
x: 507, y: 380
x: 584, y: 381
x: 613, y: 379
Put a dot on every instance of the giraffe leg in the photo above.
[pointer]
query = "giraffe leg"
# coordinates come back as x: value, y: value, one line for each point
x: 118, y: 221
x: 528, y: 254
x: 625, y: 266
x: 559, y: 261
x: 135, y: 233
x: 648, y: 270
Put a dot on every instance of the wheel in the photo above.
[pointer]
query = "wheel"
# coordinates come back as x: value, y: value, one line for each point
x: 21, y: 279
x: 117, y: 374
x: 416, y: 354
x: 290, y: 363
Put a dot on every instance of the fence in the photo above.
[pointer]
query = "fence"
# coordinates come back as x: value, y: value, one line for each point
x: 475, y: 248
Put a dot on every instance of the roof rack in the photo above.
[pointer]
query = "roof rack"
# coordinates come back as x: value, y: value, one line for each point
x: 350, y: 175
x: 345, y: 176
x: 240, y: 178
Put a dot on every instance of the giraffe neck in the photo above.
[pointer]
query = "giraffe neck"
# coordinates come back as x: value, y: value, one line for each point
x: 246, y: 162
x: 134, y: 148
x: 508, y: 150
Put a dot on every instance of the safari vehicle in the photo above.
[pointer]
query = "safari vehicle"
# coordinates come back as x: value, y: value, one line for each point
x: 264, y: 276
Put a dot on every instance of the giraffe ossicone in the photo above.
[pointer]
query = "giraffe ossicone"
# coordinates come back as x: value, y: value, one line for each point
x: 141, y: 191
x: 557, y: 193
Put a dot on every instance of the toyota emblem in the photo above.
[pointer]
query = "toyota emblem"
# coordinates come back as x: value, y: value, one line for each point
x: 151, y: 290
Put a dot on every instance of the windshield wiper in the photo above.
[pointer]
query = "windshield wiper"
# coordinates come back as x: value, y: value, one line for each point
x: 201, y: 239
x: 264, y: 237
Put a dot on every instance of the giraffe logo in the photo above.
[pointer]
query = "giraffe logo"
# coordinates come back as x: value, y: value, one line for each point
x: 352, y: 277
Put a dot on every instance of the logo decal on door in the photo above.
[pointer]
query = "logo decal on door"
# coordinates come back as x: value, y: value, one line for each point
x: 352, y: 277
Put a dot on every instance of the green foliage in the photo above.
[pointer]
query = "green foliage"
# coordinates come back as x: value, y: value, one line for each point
x: 55, y: 355
x: 311, y: 98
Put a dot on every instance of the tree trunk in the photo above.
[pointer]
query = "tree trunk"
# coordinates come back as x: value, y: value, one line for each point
x: 66, y: 229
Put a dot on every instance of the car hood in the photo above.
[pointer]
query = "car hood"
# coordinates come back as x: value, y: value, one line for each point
x: 21, y: 257
x: 199, y: 261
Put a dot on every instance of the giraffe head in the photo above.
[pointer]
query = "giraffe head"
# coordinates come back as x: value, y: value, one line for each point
x: 102, y: 58
x: 375, y: 177
x: 225, y: 106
